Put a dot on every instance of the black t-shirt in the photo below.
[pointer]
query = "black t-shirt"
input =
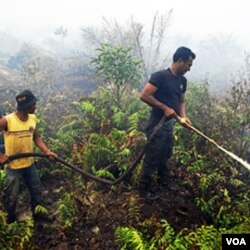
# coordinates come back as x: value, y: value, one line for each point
x: 169, y: 90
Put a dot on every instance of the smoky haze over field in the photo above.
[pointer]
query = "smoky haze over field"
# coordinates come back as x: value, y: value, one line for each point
x: 66, y: 34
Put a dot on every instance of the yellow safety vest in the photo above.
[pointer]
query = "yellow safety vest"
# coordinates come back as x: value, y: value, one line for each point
x: 18, y: 138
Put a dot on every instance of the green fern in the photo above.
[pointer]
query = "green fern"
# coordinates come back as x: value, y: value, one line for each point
x: 3, y: 218
x: 133, y: 123
x: 130, y: 239
x: 41, y: 210
x: 2, y: 180
x: 88, y: 106
x: 236, y: 183
x: 205, y: 237
x: 133, y: 209
x: 118, y: 118
x: 208, y: 180
x: 164, y: 235
x: 196, y: 166
x: 243, y: 227
x: 67, y: 210
x: 16, y: 235
x: 204, y: 206
x: 104, y: 173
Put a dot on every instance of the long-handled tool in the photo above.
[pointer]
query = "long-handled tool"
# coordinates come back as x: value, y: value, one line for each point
x: 232, y: 155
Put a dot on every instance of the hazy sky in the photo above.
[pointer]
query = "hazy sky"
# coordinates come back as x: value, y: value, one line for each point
x: 199, y: 18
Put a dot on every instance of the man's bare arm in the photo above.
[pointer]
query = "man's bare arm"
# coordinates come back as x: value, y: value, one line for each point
x: 3, y: 124
x: 147, y: 95
x: 182, y: 110
x: 182, y: 106
x: 41, y: 145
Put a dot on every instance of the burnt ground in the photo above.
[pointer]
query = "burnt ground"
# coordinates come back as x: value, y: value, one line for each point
x: 100, y: 209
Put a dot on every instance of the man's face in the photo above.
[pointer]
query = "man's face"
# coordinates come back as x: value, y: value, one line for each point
x: 185, y: 66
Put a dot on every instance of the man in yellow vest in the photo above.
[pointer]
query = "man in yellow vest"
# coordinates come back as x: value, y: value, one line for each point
x: 20, y: 131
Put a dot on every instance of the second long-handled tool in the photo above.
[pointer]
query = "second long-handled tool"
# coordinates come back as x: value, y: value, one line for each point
x: 232, y: 155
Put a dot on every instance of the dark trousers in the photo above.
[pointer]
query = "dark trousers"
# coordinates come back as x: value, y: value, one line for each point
x: 158, y: 151
x: 32, y: 180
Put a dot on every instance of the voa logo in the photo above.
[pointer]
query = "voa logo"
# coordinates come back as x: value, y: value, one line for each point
x: 236, y: 241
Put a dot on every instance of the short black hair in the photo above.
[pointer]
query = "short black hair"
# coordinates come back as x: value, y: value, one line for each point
x: 184, y: 54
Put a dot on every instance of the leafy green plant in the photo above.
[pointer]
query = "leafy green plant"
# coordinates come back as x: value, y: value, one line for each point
x: 16, y: 235
x: 133, y: 210
x: 118, y: 68
x: 67, y: 210
x: 152, y: 235
x: 130, y: 239
x: 156, y: 236
x: 2, y: 181
x: 39, y: 209
x: 104, y: 173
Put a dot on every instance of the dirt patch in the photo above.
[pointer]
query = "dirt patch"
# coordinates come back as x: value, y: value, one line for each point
x: 100, y: 210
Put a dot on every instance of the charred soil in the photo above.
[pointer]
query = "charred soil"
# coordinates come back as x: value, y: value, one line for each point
x: 101, y: 209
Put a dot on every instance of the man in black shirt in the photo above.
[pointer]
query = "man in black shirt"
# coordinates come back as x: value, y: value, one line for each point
x: 165, y: 93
